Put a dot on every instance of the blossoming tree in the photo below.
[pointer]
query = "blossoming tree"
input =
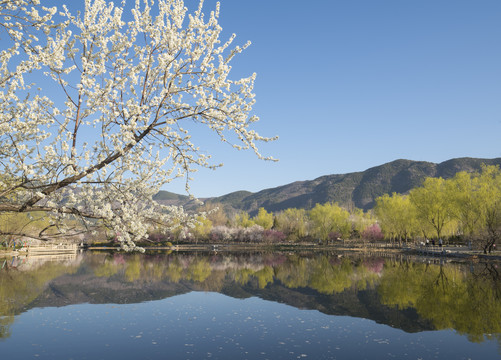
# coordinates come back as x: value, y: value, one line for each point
x: 96, y: 110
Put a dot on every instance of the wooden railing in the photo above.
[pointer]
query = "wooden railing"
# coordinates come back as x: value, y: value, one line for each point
x: 44, y: 249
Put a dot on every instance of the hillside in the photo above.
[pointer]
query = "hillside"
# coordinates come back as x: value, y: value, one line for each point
x: 358, y: 189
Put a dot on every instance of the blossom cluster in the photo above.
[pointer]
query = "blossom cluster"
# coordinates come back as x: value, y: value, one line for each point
x: 253, y: 234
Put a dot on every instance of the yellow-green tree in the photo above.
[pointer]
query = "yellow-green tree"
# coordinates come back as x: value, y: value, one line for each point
x: 243, y: 219
x: 489, y: 188
x: 433, y: 207
x: 396, y: 216
x: 466, y: 201
x: 475, y: 200
x: 202, y: 228
x: 330, y: 218
x: 263, y: 218
x: 293, y: 223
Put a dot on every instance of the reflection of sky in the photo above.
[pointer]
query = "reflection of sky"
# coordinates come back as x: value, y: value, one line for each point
x: 202, y: 325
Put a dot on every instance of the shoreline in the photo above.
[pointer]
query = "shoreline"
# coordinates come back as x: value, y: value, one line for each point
x: 435, y: 252
x: 445, y: 252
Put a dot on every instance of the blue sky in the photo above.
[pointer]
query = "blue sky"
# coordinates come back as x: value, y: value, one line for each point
x: 348, y: 85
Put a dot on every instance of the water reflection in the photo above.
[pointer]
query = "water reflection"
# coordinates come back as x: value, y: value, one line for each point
x: 410, y: 295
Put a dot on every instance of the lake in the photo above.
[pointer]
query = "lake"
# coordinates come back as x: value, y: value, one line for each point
x: 288, y: 305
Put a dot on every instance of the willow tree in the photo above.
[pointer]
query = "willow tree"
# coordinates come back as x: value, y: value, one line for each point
x: 396, y: 215
x: 330, y: 220
x: 433, y: 205
x: 489, y: 190
x: 293, y: 222
x: 96, y: 109
x: 466, y: 202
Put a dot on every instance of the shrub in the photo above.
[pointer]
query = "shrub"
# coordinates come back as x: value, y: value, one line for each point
x: 373, y: 233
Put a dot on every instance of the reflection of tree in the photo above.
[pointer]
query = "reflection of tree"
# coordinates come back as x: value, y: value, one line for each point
x: 264, y: 276
x: 107, y: 269
x: 327, y: 278
x: 446, y: 295
x: 198, y: 270
x: 174, y: 271
x: 294, y: 273
x: 133, y: 269
x: 442, y: 291
x: 142, y: 268
x: 368, y: 273
x: 18, y: 288
x: 5, y: 323
x: 484, y: 290
x: 489, y: 273
x: 242, y: 276
x: 397, y: 287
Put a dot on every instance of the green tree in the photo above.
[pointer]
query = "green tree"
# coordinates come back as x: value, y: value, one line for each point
x: 28, y: 225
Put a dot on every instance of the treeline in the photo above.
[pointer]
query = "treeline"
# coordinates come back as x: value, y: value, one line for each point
x: 466, y: 207
x: 325, y: 223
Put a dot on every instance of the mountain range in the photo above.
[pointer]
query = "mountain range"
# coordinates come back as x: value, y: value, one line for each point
x: 359, y: 189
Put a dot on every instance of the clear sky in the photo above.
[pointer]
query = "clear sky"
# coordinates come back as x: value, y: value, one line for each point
x: 348, y: 85
x: 352, y: 84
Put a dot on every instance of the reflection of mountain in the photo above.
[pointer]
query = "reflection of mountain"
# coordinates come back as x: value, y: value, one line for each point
x: 403, y: 294
x: 362, y: 304
x: 86, y: 287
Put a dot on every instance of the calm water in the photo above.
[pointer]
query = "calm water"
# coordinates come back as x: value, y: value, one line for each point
x: 248, y: 306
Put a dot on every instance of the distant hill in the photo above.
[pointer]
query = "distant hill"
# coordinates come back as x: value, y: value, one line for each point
x: 358, y: 189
